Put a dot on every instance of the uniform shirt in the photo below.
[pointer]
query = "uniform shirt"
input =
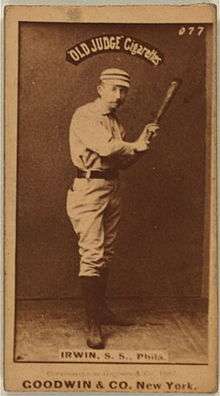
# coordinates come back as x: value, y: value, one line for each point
x: 96, y: 139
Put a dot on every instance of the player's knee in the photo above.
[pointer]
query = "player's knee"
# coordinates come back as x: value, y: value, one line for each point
x: 95, y: 256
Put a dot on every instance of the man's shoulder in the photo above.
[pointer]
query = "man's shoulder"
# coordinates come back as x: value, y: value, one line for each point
x: 85, y: 109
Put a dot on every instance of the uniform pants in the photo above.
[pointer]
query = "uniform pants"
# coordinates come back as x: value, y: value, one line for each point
x: 93, y: 206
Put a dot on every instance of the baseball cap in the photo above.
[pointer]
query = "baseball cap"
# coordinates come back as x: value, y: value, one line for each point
x: 116, y: 76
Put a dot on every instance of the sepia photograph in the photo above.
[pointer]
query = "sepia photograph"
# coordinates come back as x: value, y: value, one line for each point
x: 109, y: 208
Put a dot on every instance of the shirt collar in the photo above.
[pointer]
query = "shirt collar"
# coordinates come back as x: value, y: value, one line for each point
x: 100, y: 107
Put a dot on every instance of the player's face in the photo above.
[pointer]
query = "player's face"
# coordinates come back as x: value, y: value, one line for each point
x: 113, y: 95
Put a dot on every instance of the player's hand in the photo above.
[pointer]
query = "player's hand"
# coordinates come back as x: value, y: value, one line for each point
x: 142, y: 144
x: 151, y: 130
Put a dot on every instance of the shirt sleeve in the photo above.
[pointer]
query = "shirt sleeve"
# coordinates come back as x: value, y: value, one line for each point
x: 128, y: 160
x: 95, y: 137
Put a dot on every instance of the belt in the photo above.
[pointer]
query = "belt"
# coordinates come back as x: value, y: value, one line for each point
x: 107, y: 174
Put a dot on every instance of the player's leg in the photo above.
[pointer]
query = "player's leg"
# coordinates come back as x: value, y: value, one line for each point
x: 111, y: 224
x: 87, y: 219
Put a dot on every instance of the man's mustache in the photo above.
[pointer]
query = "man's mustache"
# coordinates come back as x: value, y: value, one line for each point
x: 118, y: 101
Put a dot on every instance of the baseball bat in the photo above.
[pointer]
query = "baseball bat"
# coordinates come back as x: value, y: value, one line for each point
x: 170, y: 93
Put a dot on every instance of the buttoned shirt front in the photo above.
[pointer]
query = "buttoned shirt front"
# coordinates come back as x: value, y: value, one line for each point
x: 96, y: 138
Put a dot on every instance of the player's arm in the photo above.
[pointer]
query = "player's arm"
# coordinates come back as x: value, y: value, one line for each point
x: 127, y: 161
x: 96, y: 139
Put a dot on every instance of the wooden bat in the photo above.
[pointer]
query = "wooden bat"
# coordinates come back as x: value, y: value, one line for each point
x: 170, y: 93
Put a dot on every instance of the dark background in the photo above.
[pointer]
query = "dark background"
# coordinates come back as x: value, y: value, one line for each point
x: 160, y: 246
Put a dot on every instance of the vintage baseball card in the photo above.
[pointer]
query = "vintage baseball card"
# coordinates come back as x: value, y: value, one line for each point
x: 110, y: 199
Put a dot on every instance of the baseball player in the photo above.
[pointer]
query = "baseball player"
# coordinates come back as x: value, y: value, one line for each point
x: 99, y: 150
